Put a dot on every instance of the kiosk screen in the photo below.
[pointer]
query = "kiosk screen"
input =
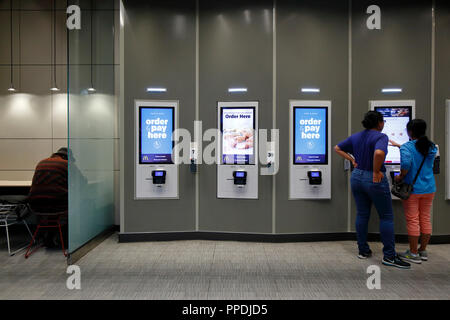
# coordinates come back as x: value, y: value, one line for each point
x: 238, y: 129
x: 155, y: 134
x: 396, y: 119
x: 310, y: 135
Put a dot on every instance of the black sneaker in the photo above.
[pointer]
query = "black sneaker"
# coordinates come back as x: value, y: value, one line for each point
x: 365, y: 255
x: 396, y: 262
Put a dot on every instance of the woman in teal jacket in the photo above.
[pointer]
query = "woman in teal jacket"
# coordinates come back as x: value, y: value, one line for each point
x: 418, y: 207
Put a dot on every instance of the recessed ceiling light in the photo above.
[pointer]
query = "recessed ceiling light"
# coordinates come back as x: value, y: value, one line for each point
x: 391, y: 90
x: 310, y: 90
x: 237, y: 89
x: 156, y: 89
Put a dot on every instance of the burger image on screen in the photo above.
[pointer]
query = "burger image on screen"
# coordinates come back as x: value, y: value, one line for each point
x: 237, y: 139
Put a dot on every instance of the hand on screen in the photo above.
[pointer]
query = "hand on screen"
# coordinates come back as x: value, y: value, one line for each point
x: 395, y: 144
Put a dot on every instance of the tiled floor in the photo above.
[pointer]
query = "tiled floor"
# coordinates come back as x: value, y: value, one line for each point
x: 222, y: 270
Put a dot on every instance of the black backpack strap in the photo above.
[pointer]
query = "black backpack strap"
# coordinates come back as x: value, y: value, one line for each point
x: 420, y: 168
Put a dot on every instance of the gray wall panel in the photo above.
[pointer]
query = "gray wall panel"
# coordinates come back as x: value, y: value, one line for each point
x: 398, y: 55
x: 312, y: 51
x: 441, y: 209
x: 159, y: 51
x: 235, y: 50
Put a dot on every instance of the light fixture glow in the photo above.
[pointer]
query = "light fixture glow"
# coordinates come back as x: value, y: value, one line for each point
x: 12, y: 89
x: 156, y: 89
x: 310, y: 90
x: 54, y: 89
x: 91, y: 89
x: 391, y: 90
x: 237, y: 89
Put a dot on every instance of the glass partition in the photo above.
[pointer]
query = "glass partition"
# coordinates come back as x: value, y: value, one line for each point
x: 92, y: 118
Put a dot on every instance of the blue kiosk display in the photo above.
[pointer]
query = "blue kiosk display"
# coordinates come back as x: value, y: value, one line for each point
x: 310, y: 171
x: 156, y: 169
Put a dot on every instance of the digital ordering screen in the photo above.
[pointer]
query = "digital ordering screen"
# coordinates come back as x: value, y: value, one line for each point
x: 237, y: 127
x: 310, y: 135
x: 156, y: 128
x: 396, y: 119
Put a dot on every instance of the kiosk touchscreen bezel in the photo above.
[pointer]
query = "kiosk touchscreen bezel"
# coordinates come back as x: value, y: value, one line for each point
x: 253, y: 156
x: 410, y: 109
x: 294, y: 135
x: 140, y: 134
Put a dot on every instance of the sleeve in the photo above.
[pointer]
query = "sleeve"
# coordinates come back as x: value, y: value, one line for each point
x: 406, y: 158
x: 382, y: 144
x: 346, y: 145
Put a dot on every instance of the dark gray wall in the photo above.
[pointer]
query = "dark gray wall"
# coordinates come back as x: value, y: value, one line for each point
x: 398, y: 55
x: 312, y: 51
x: 235, y: 50
x: 159, y: 51
x: 312, y: 48
x: 441, y: 209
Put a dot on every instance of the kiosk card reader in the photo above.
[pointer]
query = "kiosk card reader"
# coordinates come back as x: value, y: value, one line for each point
x: 397, y: 114
x: 310, y: 150
x: 237, y: 162
x: 159, y: 176
x: 315, y: 177
x: 156, y: 171
x: 240, y: 177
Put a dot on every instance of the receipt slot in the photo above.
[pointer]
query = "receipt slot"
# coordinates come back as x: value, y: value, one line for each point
x: 156, y: 171
x: 310, y: 151
x: 237, y: 156
x: 397, y: 114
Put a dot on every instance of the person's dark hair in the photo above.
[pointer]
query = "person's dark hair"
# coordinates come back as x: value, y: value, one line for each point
x: 418, y: 129
x: 62, y: 152
x: 372, y: 119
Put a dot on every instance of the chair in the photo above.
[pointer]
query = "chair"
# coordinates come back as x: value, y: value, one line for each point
x: 9, y: 205
x: 47, y: 221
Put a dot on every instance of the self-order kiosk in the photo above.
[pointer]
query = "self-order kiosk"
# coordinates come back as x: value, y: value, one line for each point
x: 447, y: 147
x: 237, y: 156
x: 397, y: 114
x: 156, y: 171
x: 310, y: 150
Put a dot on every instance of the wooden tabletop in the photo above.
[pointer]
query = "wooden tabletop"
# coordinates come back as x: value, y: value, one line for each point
x: 10, y: 183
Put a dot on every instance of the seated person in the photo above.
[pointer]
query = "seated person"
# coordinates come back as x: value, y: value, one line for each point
x: 49, y: 190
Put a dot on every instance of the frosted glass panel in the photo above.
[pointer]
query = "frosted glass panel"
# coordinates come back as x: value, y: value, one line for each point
x: 92, y: 127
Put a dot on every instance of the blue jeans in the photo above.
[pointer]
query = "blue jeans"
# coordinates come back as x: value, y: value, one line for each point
x: 366, y: 193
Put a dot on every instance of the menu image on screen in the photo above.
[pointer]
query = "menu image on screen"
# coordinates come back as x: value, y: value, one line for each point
x: 155, y: 141
x: 310, y: 135
x: 396, y: 119
x: 237, y: 126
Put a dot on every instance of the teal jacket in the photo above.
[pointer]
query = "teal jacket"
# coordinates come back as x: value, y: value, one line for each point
x: 411, y: 160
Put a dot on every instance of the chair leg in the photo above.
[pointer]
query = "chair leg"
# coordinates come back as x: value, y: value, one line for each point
x: 61, y: 238
x: 28, y: 253
x: 7, y: 238
x: 26, y: 226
